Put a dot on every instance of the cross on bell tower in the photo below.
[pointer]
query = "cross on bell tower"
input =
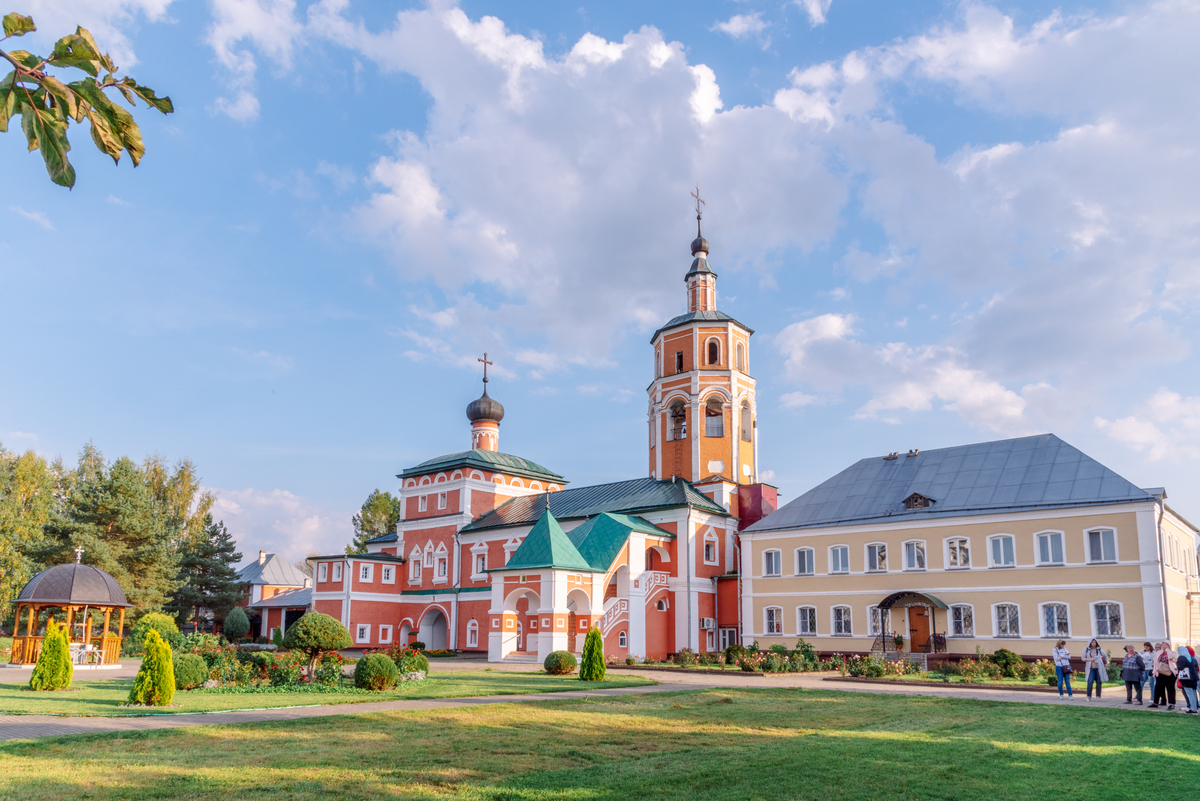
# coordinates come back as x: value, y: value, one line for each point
x: 485, y: 415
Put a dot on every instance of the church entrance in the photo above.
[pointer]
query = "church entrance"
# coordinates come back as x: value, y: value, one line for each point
x: 918, y: 628
x: 433, y: 630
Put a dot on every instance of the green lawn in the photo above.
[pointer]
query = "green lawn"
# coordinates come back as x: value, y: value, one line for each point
x: 103, y: 697
x: 739, y: 745
x: 1076, y: 683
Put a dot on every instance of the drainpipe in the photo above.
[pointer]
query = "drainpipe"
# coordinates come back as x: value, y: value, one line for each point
x: 1162, y: 567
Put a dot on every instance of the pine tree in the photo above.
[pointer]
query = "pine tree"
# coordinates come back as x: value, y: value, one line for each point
x: 592, y: 667
x: 53, y: 670
x: 380, y: 514
x: 155, y: 682
x: 207, y: 575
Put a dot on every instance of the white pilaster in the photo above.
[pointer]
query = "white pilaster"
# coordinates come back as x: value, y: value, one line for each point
x: 637, y: 594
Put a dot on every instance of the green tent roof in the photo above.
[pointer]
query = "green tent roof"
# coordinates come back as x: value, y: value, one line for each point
x: 601, y: 538
x: 547, y: 545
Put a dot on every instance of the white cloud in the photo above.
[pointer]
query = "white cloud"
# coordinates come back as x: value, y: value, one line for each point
x: 111, y: 23
x: 243, y: 108
x: 796, y: 400
x: 1168, y: 428
x: 343, y: 177
x: 116, y: 201
x: 740, y: 26
x: 35, y: 217
x: 816, y: 10
x: 278, y: 521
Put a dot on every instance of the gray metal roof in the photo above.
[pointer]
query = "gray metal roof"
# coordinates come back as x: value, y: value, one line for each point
x: 288, y: 599
x: 629, y: 497
x: 698, y: 316
x: 1038, y: 472
x: 275, y: 571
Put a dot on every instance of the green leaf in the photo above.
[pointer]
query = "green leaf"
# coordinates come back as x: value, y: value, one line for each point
x: 74, y: 50
x: 48, y: 133
x: 120, y: 123
x: 147, y: 94
x: 26, y: 58
x: 105, y: 59
x: 65, y: 95
x: 8, y: 100
x: 18, y: 24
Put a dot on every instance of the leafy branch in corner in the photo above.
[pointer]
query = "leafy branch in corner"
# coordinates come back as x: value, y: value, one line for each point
x: 47, y: 105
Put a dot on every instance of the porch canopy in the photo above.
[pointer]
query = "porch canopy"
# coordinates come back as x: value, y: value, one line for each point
x: 79, y: 591
x: 911, y: 598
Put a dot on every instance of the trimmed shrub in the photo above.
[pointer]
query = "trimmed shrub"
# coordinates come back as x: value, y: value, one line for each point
x: 1007, y: 661
x: 53, y: 670
x: 156, y: 621
x: 237, y: 625
x: 629, y: 660
x: 418, y: 646
x: 190, y: 671
x: 593, y: 668
x: 277, y: 638
x: 155, y: 682
x: 315, y: 634
x: 375, y: 672
x: 560, y: 663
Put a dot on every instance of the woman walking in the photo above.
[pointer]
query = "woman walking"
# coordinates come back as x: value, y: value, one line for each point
x: 1185, y: 667
x: 1062, y: 667
x: 1094, y: 660
x: 1147, y: 656
x: 1164, y: 677
x: 1132, y: 668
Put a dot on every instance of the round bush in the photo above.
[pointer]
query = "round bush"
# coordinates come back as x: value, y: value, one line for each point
x: 314, y: 634
x: 560, y: 663
x: 1006, y: 661
x: 237, y: 625
x: 418, y: 646
x: 190, y: 671
x: 157, y: 621
x: 375, y: 672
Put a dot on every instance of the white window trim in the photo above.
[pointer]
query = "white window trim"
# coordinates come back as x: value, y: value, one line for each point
x: 323, y: 571
x: 804, y: 608
x: 1092, y: 618
x: 946, y: 553
x: 796, y: 561
x: 996, y: 621
x: 765, y: 554
x: 1087, y: 547
x: 622, y: 640
x: 385, y: 635
x: 414, y: 566
x: 950, y: 621
x: 833, y: 632
x: 384, y: 570
x: 427, y: 556
x: 996, y: 536
x: 904, y: 555
x: 708, y: 342
x: 358, y: 633
x: 779, y: 619
x: 1042, y: 620
x: 473, y: 634
x: 443, y: 499
x: 337, y: 571
x: 867, y: 557
x: 878, y: 632
x: 1037, y: 547
x: 368, y: 569
x: 711, y: 537
x: 833, y: 572
x: 422, y: 503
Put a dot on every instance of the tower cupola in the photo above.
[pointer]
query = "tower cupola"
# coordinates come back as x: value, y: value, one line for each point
x: 700, y: 279
x: 485, y: 414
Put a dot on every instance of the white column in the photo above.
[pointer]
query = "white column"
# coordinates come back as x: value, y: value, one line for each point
x: 499, y: 644
x: 554, y: 605
x: 637, y: 594
x: 695, y: 434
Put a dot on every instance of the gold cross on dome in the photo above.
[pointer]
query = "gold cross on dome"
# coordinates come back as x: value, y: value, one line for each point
x: 699, y: 202
x: 485, y: 366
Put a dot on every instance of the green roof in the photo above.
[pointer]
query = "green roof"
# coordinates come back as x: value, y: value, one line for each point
x: 492, y: 461
x: 600, y: 539
x: 547, y: 545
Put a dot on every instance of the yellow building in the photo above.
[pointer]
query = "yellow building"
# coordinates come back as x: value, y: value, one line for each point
x: 1010, y: 544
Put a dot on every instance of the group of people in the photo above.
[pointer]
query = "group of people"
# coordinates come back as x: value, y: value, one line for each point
x: 1161, y: 667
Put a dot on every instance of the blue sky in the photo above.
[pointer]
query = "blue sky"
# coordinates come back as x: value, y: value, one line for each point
x: 946, y: 222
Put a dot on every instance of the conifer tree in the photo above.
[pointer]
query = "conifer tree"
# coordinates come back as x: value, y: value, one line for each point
x: 592, y: 667
x: 54, y: 669
x: 237, y: 625
x: 380, y: 514
x: 155, y: 682
x: 207, y: 577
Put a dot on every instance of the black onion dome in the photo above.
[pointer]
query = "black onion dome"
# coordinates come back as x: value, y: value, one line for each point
x: 699, y: 244
x: 485, y: 408
x: 73, y: 584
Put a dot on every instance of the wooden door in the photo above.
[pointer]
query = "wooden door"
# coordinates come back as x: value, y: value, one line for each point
x: 918, y: 628
x: 572, y: 629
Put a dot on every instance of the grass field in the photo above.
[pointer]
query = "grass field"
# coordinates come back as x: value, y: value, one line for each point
x: 103, y: 697
x: 732, y: 744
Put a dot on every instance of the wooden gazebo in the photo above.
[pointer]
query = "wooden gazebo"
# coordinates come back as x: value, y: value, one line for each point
x: 77, y: 590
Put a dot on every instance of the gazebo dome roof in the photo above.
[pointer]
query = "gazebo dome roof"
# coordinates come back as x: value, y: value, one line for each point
x: 73, y: 585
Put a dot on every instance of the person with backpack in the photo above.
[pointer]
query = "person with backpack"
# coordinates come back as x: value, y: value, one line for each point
x: 1185, y: 668
x: 1062, y: 667
x: 1132, y: 668
x: 1164, y: 677
x: 1094, y: 660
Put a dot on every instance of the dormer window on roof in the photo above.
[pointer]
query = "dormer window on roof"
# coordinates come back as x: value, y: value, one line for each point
x: 917, y: 501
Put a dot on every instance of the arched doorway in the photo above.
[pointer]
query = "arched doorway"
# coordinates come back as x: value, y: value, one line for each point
x: 433, y: 630
x: 405, y: 633
x: 523, y: 604
x: 579, y: 606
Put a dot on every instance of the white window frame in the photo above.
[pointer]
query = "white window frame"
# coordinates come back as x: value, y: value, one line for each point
x: 337, y: 571
x: 1049, y: 533
x: 991, y: 550
x: 710, y: 539
x: 996, y: 620
x: 707, y: 345
x: 359, y: 637
x: 480, y: 564
x: 847, y: 625
x: 366, y: 573
x: 812, y: 561
x: 1057, y: 635
x: 867, y: 557
x: 423, y: 503
x: 875, y: 620
x: 473, y: 634
x: 806, y: 615
x: 946, y: 552
x: 773, y: 621
x: 427, y: 558
x: 1095, y: 623
x: 767, y: 554
x: 414, y: 566
x: 622, y: 640
x: 924, y: 556
x: 950, y: 620
x: 833, y: 565
x: 385, y: 635
x: 442, y: 498
x: 323, y: 571
x: 387, y: 574
x: 1087, y: 545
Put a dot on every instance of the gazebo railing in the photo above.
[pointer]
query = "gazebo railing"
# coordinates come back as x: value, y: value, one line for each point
x: 26, y: 649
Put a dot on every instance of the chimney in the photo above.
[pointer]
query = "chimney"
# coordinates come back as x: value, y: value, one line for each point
x: 262, y: 557
x: 307, y: 582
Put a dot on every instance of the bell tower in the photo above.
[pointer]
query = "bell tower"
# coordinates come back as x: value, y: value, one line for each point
x: 702, y: 412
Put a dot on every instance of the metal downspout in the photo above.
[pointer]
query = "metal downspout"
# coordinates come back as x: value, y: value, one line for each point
x: 1162, y: 568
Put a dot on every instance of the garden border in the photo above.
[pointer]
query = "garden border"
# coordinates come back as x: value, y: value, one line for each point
x: 672, y: 669
x: 943, y: 684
